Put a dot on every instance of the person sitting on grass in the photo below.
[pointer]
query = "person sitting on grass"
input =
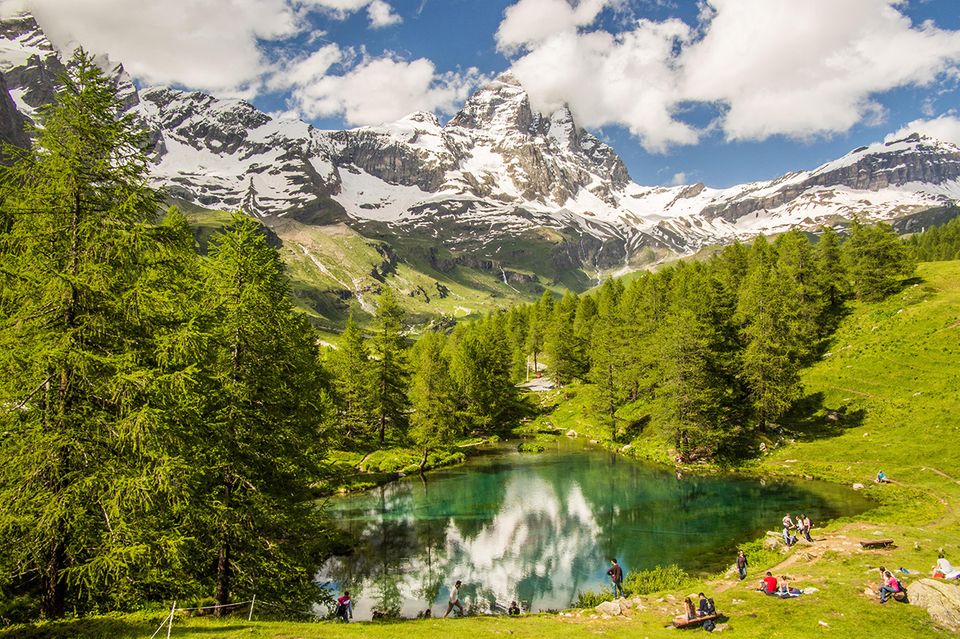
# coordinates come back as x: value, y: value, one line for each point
x: 514, y: 609
x: 768, y: 585
x: 944, y: 569
x: 882, y: 478
x: 891, y: 587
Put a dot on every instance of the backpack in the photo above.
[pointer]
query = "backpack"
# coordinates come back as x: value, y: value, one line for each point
x: 711, y: 609
x: 709, y: 626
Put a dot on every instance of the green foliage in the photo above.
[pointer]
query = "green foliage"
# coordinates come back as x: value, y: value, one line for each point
x: 390, y: 377
x: 530, y: 447
x: 877, y: 260
x: 658, y: 579
x: 591, y: 598
x: 434, y: 424
x: 938, y: 243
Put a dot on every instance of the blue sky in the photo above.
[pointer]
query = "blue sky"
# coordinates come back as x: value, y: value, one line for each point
x: 718, y: 91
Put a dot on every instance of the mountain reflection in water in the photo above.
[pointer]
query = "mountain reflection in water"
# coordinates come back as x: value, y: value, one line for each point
x: 540, y: 528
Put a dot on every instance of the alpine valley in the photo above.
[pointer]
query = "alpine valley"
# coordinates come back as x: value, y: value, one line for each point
x: 495, y: 205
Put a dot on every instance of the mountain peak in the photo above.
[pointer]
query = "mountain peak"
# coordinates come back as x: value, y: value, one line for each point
x: 500, y: 104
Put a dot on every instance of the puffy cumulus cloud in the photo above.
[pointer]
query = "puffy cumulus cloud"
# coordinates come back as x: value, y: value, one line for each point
x: 678, y: 179
x: 382, y: 15
x: 809, y: 68
x: 771, y: 67
x: 945, y: 127
x: 305, y: 69
x: 384, y: 89
x: 532, y: 21
x: 630, y: 79
x: 202, y: 45
x: 379, y: 12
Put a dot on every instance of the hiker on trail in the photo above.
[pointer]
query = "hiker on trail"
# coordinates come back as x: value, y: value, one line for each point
x: 344, y: 607
x: 944, y: 569
x: 788, y: 525
x: 807, y: 525
x: 891, y: 587
x: 454, y: 600
x: 881, y: 478
x: 616, y: 576
x: 514, y: 609
x: 768, y: 585
x: 742, y: 565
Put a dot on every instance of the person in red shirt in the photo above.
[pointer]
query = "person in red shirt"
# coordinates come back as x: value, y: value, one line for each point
x: 768, y: 584
x: 345, y: 607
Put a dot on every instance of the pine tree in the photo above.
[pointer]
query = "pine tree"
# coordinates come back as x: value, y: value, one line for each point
x: 876, y: 260
x: 389, y: 367
x: 78, y: 466
x: 798, y: 273
x: 259, y: 444
x: 480, y: 368
x: 352, y: 381
x: 433, y: 424
x: 833, y: 276
x: 769, y: 367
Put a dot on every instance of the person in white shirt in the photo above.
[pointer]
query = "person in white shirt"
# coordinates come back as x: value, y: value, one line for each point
x: 946, y: 568
x: 454, y: 600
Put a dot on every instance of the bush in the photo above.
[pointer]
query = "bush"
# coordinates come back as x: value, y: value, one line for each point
x: 530, y: 447
x: 591, y: 599
x: 644, y: 582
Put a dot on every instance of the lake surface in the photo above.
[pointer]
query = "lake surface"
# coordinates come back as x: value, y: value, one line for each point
x: 539, y: 528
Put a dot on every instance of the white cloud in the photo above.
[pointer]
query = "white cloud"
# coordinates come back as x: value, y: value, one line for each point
x: 382, y: 15
x: 809, y: 68
x: 945, y: 127
x: 379, y: 12
x: 629, y: 79
x: 306, y: 69
x: 384, y: 89
x: 678, y: 179
x: 533, y: 21
x: 771, y: 67
x: 203, y: 45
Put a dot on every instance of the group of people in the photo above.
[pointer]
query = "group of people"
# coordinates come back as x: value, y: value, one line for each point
x: 344, y: 609
x: 944, y: 569
x: 770, y: 586
x: 792, y: 530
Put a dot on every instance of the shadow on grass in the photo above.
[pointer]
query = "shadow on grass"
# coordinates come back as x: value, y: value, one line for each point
x: 810, y: 420
x: 110, y: 628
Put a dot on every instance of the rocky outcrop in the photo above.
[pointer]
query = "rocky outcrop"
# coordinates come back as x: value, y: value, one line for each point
x: 11, y: 122
x: 940, y: 599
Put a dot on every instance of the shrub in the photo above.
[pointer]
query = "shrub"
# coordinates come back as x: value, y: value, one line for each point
x: 591, y: 599
x: 644, y: 582
x: 530, y: 447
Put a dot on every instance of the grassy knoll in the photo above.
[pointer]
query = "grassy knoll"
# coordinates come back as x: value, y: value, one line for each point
x: 885, y: 396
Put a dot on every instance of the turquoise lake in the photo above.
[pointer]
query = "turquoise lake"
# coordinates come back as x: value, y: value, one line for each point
x: 538, y: 528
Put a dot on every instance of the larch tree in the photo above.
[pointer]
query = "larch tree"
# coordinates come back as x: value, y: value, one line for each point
x: 390, y: 377
x: 79, y: 463
x: 433, y: 423
x: 259, y: 444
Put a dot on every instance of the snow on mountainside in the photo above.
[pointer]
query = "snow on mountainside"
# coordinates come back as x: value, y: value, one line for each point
x: 495, y: 174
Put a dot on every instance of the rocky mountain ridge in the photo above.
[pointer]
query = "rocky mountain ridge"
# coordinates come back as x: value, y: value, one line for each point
x: 499, y: 184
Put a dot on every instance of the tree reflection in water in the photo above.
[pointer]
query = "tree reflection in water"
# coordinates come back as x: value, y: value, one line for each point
x: 540, y: 528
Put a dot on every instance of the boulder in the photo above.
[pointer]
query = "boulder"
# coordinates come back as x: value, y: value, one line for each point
x: 858, y: 486
x: 941, y: 600
x: 611, y: 608
x: 571, y: 433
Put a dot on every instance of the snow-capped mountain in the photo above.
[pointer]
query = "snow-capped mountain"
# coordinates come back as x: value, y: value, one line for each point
x: 496, y: 175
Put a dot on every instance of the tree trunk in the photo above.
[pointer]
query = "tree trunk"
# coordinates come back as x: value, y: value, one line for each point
x: 423, y: 460
x: 223, y: 556
x: 54, y: 585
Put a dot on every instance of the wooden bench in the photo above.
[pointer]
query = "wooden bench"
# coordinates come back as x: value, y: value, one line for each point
x: 683, y: 622
x: 876, y: 543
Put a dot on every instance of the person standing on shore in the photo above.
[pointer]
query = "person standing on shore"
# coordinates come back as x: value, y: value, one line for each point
x: 616, y: 576
x: 454, y: 600
x: 742, y: 565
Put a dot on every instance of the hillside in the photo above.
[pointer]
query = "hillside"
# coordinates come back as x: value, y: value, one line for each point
x: 891, y: 372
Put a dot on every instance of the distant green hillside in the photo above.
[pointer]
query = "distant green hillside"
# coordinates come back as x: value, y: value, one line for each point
x: 337, y: 270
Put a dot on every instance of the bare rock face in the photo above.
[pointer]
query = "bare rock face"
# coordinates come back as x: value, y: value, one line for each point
x: 940, y: 599
x: 11, y: 122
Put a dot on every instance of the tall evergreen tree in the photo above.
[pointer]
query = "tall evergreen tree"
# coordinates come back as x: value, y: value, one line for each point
x: 433, y: 424
x: 876, y: 260
x: 390, y: 375
x: 259, y: 446
x: 73, y: 251
x: 833, y: 274
x: 351, y: 372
